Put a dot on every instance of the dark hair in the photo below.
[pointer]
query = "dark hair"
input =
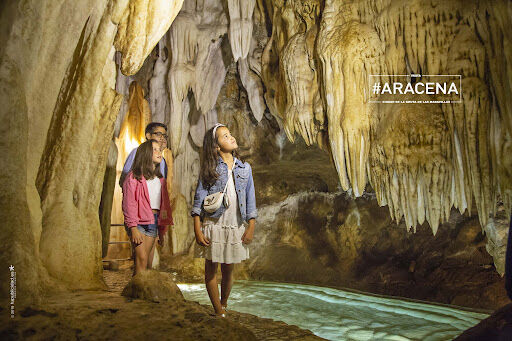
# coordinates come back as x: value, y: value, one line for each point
x: 153, y: 125
x: 209, y: 158
x: 143, y: 162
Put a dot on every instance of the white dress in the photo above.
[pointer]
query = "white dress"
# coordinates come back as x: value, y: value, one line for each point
x: 225, y: 233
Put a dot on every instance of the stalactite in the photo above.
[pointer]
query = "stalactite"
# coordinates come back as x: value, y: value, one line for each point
x: 411, y: 163
x: 137, y: 116
x: 363, y: 38
x: 196, y: 64
x: 301, y: 89
x: 158, y: 95
x: 252, y: 83
x: 240, y: 26
x: 199, y: 124
x: 210, y: 74
x: 470, y: 123
x: 123, y: 88
x: 181, y: 74
x: 140, y: 27
x: 349, y: 53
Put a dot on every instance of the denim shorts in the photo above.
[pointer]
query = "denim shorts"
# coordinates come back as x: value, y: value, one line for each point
x: 150, y: 230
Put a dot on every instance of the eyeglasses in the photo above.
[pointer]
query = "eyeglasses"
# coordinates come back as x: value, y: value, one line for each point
x: 160, y: 135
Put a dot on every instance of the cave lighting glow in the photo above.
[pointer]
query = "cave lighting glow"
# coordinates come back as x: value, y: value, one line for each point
x: 342, y: 315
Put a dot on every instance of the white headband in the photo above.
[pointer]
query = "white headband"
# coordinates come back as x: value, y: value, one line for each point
x: 215, y: 128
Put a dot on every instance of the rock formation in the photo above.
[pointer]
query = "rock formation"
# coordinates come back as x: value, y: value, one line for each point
x: 153, y: 286
x: 59, y: 111
x: 338, y: 50
x: 309, y: 63
x: 268, y: 69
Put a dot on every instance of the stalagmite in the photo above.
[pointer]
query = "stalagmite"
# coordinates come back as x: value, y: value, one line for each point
x: 27, y: 108
x: 496, y: 231
x: 66, y: 69
x: 87, y: 114
x: 107, y: 196
x: 186, y: 167
x: 131, y: 135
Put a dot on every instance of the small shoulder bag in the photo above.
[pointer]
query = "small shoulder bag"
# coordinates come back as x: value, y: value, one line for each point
x: 213, y: 201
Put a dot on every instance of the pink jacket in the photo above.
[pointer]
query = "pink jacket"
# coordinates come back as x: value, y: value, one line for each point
x: 136, y: 205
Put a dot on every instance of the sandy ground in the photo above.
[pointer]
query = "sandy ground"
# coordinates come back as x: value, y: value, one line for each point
x: 106, y: 315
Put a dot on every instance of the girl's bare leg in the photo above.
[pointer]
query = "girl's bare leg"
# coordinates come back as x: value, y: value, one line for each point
x: 132, y: 250
x: 226, y: 283
x: 141, y: 257
x: 151, y: 252
x: 142, y: 253
x: 210, y: 280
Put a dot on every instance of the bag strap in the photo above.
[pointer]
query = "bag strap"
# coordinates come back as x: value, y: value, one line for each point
x: 229, y: 177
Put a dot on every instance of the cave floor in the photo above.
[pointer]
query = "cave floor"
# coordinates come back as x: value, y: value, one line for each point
x: 105, y: 314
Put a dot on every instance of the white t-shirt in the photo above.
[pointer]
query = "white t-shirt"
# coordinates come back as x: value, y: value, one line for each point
x: 155, y: 192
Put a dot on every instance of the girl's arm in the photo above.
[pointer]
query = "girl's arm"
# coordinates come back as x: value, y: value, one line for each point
x: 201, y: 193
x: 200, y: 238
x: 127, y: 166
x: 130, y: 206
x: 252, y: 213
x: 249, y: 232
x: 250, y: 197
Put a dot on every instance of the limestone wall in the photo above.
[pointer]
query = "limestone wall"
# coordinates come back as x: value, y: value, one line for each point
x: 58, y: 112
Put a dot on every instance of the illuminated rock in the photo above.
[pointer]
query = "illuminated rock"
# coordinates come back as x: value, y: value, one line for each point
x: 141, y: 24
x: 62, y: 100
x: 196, y: 65
x: 240, y: 26
x: 356, y: 40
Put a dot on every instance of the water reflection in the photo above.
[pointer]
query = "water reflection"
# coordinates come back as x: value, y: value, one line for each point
x: 341, y: 315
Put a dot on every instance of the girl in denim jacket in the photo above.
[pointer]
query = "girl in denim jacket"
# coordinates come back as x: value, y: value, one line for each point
x: 223, y: 236
x: 146, y: 206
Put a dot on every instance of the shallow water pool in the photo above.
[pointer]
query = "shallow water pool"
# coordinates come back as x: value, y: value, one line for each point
x: 342, y: 315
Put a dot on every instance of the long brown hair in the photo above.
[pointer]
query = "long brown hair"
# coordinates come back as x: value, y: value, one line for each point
x: 143, y: 162
x: 209, y: 158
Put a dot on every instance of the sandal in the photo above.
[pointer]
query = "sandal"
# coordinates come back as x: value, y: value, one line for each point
x: 225, y: 307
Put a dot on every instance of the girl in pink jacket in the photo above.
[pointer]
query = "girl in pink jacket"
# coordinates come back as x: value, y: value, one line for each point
x: 146, y: 206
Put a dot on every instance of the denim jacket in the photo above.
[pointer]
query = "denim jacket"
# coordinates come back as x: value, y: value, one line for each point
x: 244, y: 185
